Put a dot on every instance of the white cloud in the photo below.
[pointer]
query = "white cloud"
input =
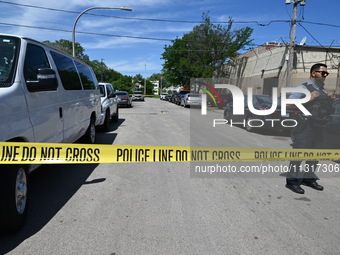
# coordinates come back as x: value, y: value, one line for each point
x: 134, y: 66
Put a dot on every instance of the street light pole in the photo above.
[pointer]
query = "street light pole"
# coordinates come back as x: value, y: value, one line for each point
x: 75, y: 22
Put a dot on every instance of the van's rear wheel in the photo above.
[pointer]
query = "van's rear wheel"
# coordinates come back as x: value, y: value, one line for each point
x: 14, y: 190
x: 90, y: 135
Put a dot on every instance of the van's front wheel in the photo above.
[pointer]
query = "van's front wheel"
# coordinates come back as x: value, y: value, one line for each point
x: 14, y: 190
x: 90, y: 135
x: 106, y: 125
x: 116, y: 116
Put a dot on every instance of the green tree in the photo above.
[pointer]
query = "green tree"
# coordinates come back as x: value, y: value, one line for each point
x: 123, y: 83
x: 203, y: 52
x: 149, y: 87
x: 104, y: 73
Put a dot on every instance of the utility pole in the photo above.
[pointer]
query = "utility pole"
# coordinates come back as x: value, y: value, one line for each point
x: 291, y: 44
x: 145, y: 81
x: 101, y: 70
x: 160, y: 91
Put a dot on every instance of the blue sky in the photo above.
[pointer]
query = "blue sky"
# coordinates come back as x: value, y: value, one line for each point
x: 130, y: 56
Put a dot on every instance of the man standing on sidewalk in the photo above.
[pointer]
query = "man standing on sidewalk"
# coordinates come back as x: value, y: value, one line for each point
x: 309, y: 132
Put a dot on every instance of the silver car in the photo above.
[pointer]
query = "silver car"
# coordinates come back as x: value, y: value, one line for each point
x: 191, y: 99
x: 137, y: 95
x: 124, y: 99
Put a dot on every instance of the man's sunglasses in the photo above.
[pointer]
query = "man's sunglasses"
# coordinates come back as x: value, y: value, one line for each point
x: 323, y: 73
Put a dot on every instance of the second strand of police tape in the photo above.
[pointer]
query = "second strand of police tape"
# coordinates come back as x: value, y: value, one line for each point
x: 42, y: 153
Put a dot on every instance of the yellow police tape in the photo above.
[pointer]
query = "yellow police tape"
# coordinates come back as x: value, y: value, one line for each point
x: 46, y: 153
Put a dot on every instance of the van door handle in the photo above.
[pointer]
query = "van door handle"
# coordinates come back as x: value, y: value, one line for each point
x: 60, y: 112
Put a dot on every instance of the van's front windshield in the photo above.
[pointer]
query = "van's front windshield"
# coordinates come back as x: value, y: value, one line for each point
x: 8, y: 59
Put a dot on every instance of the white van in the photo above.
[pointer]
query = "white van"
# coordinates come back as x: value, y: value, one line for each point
x: 45, y: 96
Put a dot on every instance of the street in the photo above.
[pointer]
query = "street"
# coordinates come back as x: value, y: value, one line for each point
x: 167, y: 208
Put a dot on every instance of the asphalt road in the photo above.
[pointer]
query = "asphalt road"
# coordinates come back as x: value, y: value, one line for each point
x: 165, y: 208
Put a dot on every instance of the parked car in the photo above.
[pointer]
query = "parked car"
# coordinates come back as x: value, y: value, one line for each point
x: 180, y: 95
x: 331, y: 134
x: 191, y: 99
x: 163, y: 95
x: 167, y: 97
x: 109, y: 105
x: 220, y: 101
x: 123, y: 99
x: 47, y: 96
x: 253, y: 122
x: 173, y: 96
x: 226, y: 98
x: 137, y: 95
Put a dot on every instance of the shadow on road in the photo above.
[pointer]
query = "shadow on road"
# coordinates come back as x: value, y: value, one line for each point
x: 51, y: 187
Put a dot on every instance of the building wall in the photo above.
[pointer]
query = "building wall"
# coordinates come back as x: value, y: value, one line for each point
x: 155, y: 87
x: 266, y: 67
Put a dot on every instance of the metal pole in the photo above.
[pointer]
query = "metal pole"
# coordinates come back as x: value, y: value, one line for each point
x: 75, y: 22
x: 290, y: 65
x: 101, y: 70
x: 145, y: 82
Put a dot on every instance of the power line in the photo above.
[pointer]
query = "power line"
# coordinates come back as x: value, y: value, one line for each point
x: 259, y: 23
x: 131, y: 18
x: 89, y: 33
x: 264, y: 23
x: 310, y: 34
x: 38, y: 7
x: 159, y: 20
x: 101, y: 15
x: 109, y: 35
x: 317, y: 23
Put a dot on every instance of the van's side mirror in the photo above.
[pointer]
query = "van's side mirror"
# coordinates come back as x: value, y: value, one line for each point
x: 113, y: 94
x: 46, y: 80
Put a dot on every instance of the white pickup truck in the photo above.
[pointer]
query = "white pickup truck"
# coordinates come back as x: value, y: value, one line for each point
x: 109, y: 103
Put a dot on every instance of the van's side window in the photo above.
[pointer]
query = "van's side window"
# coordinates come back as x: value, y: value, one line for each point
x: 35, y: 58
x: 86, y: 76
x: 8, y: 59
x: 67, y: 71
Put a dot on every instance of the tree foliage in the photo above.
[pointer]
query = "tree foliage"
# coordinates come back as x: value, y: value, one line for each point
x: 203, y: 52
x: 123, y: 83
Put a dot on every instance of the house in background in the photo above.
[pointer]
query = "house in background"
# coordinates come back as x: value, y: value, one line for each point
x: 155, y: 87
x: 265, y: 67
